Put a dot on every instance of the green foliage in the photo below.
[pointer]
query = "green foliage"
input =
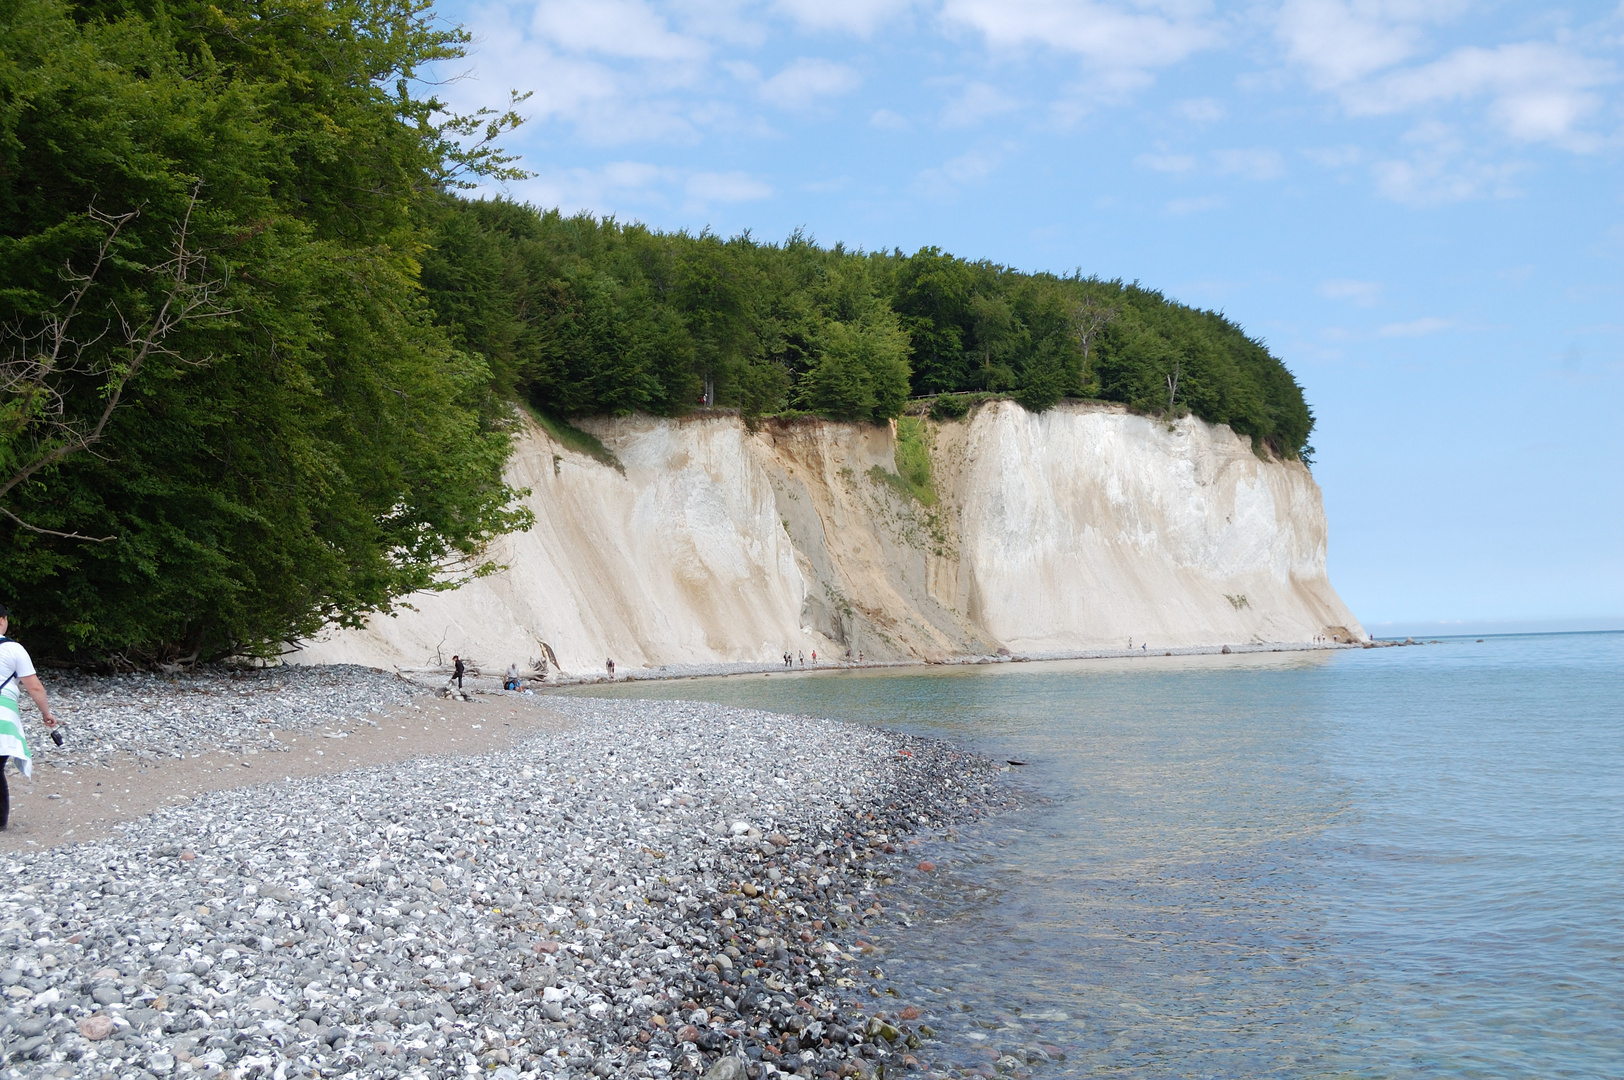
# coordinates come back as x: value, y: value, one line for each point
x: 862, y: 372
x: 1224, y: 377
x: 950, y: 407
x: 318, y: 447
x: 324, y: 430
x: 913, y: 458
x: 581, y: 315
x: 571, y: 437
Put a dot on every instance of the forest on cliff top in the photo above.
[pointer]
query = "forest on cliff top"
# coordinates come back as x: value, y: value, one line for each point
x: 260, y: 356
x: 583, y: 316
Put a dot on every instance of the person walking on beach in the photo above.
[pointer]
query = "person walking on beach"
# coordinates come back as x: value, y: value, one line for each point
x: 16, y: 674
x: 457, y: 671
x: 609, y: 665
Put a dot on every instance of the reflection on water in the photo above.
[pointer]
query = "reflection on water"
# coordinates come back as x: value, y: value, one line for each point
x: 1369, y: 863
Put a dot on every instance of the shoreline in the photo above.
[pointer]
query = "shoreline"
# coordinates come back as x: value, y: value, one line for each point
x: 557, y: 908
x: 426, y: 677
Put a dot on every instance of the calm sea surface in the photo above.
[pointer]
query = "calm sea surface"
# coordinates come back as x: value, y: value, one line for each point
x: 1376, y: 863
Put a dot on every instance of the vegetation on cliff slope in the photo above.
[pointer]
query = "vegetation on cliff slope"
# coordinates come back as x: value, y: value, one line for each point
x: 259, y: 360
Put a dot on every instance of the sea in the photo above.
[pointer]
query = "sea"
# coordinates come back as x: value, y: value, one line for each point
x: 1398, y: 862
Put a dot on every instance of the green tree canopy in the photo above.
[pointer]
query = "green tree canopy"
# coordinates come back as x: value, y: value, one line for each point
x: 310, y: 446
x: 259, y: 359
x: 799, y: 326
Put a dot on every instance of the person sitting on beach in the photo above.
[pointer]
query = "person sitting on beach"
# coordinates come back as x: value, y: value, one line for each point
x: 512, y: 680
x: 16, y: 673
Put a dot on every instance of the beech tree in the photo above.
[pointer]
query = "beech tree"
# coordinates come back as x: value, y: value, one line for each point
x: 316, y: 448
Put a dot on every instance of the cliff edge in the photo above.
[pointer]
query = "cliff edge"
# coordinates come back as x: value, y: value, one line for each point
x: 1050, y: 534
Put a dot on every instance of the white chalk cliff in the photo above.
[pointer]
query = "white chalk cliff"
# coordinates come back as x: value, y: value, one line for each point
x: 1054, y: 534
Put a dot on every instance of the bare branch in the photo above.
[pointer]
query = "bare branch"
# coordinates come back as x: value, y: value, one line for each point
x: 53, y: 532
x: 34, y: 407
x: 1089, y: 320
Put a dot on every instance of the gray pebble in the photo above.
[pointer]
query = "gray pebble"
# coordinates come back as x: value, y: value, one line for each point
x: 527, y: 914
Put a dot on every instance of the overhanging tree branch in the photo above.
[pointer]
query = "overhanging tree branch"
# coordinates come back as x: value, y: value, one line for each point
x: 38, y: 368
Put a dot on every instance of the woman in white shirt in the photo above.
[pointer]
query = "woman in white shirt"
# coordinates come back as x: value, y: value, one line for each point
x: 16, y: 674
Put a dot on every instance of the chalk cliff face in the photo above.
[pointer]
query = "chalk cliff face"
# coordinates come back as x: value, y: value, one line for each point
x: 1056, y: 533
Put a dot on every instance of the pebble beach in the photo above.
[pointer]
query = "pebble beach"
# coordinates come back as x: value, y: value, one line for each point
x: 651, y: 889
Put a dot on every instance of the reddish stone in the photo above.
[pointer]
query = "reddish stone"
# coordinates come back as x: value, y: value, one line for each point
x: 927, y: 866
x: 96, y: 1028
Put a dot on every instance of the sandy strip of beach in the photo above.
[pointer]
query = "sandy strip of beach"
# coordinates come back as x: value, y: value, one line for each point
x: 70, y: 802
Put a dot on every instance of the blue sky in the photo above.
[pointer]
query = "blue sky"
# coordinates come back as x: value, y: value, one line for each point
x: 1418, y: 205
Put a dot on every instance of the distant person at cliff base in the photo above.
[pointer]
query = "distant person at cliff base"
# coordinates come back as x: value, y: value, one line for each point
x: 609, y: 665
x: 16, y: 673
x: 512, y: 680
x: 457, y: 671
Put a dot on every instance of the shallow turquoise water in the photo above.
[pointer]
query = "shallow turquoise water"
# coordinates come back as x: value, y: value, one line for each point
x: 1397, y: 862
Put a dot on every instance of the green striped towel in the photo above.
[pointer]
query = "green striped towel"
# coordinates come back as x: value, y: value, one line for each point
x: 13, y: 743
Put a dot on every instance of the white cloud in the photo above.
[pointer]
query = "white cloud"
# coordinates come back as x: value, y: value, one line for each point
x: 808, y: 79
x: 944, y: 182
x: 593, y: 189
x: 1367, y: 53
x: 976, y: 103
x: 1195, y: 205
x: 1416, y: 327
x: 887, y: 120
x: 1252, y: 164
x: 1443, y: 169
x: 1430, y: 183
x: 1340, y: 41
x: 1538, y: 92
x: 1363, y: 293
x: 1124, y: 39
x: 621, y: 28
x: 1202, y: 110
x: 1335, y: 157
x: 731, y: 22
x: 640, y: 184
x: 608, y: 99
x: 1164, y: 162
x: 726, y: 187
x: 860, y: 17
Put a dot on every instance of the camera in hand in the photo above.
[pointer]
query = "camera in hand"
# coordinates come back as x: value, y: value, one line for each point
x: 56, y: 736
